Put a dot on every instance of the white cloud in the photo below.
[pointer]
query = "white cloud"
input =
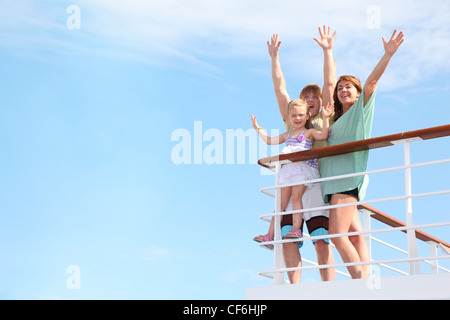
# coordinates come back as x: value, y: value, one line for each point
x: 194, y: 32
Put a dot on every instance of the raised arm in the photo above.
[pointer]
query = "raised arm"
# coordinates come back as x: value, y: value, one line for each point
x: 389, y: 49
x: 265, y: 137
x: 329, y: 65
x: 279, y: 83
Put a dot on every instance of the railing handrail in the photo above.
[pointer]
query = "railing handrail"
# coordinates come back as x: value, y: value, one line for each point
x: 359, y: 145
x: 393, y: 222
x: 275, y: 163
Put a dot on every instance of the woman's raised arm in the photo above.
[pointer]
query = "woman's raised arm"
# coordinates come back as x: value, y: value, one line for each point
x: 390, y: 48
x: 329, y: 65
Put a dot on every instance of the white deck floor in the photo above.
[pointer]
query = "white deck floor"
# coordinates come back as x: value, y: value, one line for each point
x: 429, y: 286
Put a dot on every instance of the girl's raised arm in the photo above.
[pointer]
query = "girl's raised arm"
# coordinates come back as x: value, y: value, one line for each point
x: 265, y: 137
x: 390, y: 48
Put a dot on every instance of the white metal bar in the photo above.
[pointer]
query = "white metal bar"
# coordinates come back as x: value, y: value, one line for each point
x: 443, y: 269
x: 263, y: 245
x: 394, y: 248
x: 327, y: 207
x: 431, y: 243
x: 390, y: 245
x: 324, y: 266
x: 316, y: 264
x: 271, y: 277
x: 278, y: 254
x: 367, y: 237
x: 349, y: 175
x: 409, y: 260
x: 414, y: 267
x: 394, y: 269
x: 393, y: 229
x: 433, y: 253
x: 444, y: 251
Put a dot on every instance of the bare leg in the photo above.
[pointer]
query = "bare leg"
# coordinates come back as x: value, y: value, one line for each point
x: 271, y: 231
x: 341, y: 220
x: 292, y: 259
x: 297, y: 195
x: 325, y: 256
x: 291, y: 252
x: 313, y: 198
x: 285, y: 196
x: 271, y: 228
x: 359, y: 242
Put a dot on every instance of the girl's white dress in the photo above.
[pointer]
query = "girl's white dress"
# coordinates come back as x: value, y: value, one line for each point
x: 301, y: 170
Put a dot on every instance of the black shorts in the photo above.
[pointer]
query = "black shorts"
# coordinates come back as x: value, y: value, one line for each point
x: 354, y: 193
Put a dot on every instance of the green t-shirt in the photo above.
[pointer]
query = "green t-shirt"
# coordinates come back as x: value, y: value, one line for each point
x: 355, y: 124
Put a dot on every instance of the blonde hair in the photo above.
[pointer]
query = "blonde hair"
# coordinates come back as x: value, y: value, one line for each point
x: 295, y: 104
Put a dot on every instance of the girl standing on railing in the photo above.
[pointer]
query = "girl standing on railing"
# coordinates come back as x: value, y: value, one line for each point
x: 300, y: 137
x: 354, y: 107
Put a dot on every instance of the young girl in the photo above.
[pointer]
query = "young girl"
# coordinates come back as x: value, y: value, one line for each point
x: 300, y: 137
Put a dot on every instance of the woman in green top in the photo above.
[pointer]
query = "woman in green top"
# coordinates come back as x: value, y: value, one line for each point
x: 354, y: 107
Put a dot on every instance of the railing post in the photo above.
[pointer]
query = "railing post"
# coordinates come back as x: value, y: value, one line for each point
x: 433, y: 253
x: 414, y: 267
x: 278, y: 277
x: 368, y: 237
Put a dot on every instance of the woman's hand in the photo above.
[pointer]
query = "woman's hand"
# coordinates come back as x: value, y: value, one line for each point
x: 389, y: 49
x: 326, y: 39
x: 394, y: 43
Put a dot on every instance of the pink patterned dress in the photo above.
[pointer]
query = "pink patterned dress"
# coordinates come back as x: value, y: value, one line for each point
x: 301, y: 170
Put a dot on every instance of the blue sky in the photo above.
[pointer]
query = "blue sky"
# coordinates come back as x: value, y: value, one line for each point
x: 87, y: 118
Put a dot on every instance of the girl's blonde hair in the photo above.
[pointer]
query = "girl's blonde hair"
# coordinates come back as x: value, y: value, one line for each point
x: 295, y: 104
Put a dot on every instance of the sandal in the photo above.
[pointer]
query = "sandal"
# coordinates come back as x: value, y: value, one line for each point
x: 293, y: 234
x: 264, y: 238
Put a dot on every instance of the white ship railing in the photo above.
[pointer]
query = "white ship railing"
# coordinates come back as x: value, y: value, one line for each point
x: 413, y: 260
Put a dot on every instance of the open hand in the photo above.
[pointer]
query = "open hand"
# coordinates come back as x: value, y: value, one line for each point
x: 394, y: 43
x: 254, y: 123
x: 326, y: 39
x: 328, y: 110
x: 274, y: 45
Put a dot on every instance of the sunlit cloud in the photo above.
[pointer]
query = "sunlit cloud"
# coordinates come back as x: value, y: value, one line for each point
x: 197, y: 32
